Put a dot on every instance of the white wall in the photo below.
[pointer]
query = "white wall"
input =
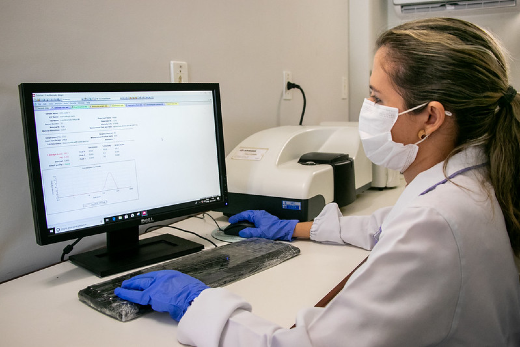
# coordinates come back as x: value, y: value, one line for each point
x: 243, y: 45
x: 367, y: 19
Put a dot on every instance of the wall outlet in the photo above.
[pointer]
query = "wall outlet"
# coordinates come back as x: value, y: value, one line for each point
x: 287, y: 94
x: 179, y: 72
x: 344, y: 88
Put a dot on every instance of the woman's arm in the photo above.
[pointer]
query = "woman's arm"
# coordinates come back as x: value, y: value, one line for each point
x: 303, y: 230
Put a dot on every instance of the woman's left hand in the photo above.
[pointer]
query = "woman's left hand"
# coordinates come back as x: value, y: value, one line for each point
x: 166, y: 291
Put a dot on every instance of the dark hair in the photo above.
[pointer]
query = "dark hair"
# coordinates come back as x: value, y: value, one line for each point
x: 463, y: 67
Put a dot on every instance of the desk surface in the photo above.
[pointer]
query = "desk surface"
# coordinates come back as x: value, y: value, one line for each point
x: 43, y: 307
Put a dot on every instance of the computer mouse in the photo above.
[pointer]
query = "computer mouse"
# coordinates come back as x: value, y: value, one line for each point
x: 234, y: 229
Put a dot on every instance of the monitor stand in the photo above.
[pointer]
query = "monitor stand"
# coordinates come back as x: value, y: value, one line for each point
x: 125, y: 252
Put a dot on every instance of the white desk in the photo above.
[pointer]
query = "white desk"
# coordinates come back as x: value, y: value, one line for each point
x: 43, y: 309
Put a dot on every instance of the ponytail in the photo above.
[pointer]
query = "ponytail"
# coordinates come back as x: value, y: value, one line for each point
x: 503, y: 150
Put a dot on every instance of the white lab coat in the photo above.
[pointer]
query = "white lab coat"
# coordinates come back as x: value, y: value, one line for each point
x: 441, y: 274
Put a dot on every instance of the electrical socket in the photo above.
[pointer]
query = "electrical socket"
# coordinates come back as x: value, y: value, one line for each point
x: 287, y: 94
x: 179, y: 72
x: 344, y: 88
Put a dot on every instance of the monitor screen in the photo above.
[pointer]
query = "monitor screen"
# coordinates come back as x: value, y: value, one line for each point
x: 106, y: 158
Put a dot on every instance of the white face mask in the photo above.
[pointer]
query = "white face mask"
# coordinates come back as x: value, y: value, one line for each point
x: 375, y: 125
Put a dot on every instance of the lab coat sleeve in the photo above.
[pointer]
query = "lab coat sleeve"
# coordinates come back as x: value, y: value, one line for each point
x: 203, y: 322
x: 406, y: 294
x: 330, y: 226
x: 219, y: 318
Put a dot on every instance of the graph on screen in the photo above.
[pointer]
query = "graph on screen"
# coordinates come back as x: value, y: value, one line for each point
x: 87, y: 186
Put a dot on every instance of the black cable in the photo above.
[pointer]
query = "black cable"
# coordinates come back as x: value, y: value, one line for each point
x: 210, y: 216
x: 69, y: 248
x: 186, y: 231
x: 191, y: 232
x: 290, y: 86
x: 214, y: 220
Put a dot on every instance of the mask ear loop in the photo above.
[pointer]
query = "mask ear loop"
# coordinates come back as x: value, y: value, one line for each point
x: 413, y: 108
x: 447, y: 113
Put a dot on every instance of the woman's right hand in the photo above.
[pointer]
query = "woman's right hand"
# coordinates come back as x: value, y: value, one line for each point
x: 267, y: 226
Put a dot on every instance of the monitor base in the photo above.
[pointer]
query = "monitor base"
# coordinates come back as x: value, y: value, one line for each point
x: 150, y: 251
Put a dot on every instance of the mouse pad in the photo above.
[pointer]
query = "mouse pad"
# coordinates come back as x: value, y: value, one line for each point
x: 216, y: 267
x: 219, y: 235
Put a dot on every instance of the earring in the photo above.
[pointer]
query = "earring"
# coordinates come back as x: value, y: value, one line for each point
x: 422, y: 134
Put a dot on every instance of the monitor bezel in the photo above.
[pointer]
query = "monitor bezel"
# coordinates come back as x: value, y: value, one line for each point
x: 33, y: 161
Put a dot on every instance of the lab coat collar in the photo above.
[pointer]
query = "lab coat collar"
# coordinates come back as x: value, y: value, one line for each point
x: 469, y: 159
x: 426, y: 181
x: 472, y: 156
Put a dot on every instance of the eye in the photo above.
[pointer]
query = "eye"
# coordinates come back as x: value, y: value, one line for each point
x: 375, y: 99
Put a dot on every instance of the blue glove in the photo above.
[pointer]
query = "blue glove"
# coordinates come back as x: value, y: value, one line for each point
x: 267, y: 226
x: 167, y: 291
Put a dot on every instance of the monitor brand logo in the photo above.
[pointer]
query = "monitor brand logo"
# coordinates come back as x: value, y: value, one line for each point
x: 147, y: 220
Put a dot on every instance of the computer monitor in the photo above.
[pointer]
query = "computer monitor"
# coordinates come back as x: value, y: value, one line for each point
x: 109, y: 157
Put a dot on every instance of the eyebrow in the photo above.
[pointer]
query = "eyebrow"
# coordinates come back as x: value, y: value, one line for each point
x: 374, y: 89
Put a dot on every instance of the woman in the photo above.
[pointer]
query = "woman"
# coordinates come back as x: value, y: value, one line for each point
x: 441, y: 271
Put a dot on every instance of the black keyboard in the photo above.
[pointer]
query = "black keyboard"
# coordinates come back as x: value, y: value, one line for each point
x: 215, y: 267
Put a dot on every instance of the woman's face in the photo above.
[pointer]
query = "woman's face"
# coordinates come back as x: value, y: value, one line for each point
x: 382, y: 92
